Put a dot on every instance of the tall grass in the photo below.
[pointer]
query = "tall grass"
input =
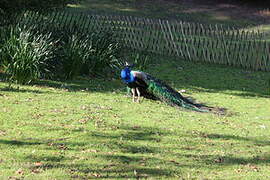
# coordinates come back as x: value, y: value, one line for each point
x: 75, y: 53
x: 24, y: 54
x: 105, y: 53
x: 91, y: 55
x: 33, y: 51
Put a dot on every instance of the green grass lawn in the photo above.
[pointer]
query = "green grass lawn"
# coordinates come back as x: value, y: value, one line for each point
x: 87, y: 129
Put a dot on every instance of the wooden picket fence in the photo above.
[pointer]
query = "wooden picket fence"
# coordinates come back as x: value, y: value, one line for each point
x: 190, y: 41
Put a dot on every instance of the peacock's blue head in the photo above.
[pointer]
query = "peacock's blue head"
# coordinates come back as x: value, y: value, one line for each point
x: 127, y: 75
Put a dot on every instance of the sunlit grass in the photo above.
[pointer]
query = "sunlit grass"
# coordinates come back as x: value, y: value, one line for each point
x: 87, y: 128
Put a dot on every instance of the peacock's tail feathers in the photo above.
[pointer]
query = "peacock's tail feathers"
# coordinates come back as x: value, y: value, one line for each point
x: 158, y: 90
x: 168, y: 95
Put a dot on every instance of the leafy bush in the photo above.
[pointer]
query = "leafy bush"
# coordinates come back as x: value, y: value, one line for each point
x: 66, y: 50
x: 27, y: 54
x: 75, y: 54
x: 90, y: 55
x: 105, y: 53
x: 24, y: 54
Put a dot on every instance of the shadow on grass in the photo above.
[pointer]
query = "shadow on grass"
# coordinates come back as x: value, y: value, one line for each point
x: 252, y: 140
x: 80, y: 85
x: 84, y: 84
x: 125, y: 141
x: 239, y: 138
x: 103, y: 171
x: 126, y: 156
x: 18, y: 143
x: 133, y: 133
x: 21, y: 90
x: 48, y: 158
x: 227, y: 160
x: 224, y: 160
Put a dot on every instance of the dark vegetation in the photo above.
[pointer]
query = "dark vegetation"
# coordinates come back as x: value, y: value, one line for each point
x: 30, y: 53
x: 11, y: 6
x: 258, y: 3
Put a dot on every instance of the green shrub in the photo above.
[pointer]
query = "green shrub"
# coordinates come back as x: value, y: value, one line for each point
x: 24, y: 54
x: 75, y: 54
x: 28, y: 54
x: 105, y: 53
x: 95, y: 54
x: 75, y: 51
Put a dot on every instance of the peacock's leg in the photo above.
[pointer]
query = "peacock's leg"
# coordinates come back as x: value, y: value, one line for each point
x: 139, y: 94
x: 133, y: 94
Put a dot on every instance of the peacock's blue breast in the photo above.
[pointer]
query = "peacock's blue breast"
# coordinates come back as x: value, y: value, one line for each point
x: 127, y: 75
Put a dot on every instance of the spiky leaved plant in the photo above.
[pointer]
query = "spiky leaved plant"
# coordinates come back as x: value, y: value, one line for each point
x: 24, y: 54
x: 105, y: 52
x: 75, y: 52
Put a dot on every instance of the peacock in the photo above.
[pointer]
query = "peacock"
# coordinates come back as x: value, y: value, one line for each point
x: 143, y: 84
